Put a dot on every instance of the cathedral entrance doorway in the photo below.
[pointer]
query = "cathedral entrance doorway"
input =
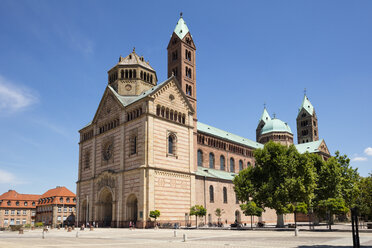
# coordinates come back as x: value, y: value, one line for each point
x: 106, y: 207
x: 132, y: 208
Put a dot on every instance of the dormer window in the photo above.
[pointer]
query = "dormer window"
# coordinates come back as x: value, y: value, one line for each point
x: 130, y: 56
x: 67, y: 199
x: 61, y: 199
x: 17, y: 203
x: 8, y: 203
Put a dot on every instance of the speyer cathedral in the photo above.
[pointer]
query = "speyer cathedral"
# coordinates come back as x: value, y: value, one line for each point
x: 146, y: 150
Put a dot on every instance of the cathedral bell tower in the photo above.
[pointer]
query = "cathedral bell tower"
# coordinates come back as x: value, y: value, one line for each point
x: 307, y: 123
x: 181, y: 64
x: 181, y: 60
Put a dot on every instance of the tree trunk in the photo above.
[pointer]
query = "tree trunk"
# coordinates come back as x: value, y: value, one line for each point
x: 295, y: 219
x: 251, y: 221
x: 279, y: 220
x: 196, y: 219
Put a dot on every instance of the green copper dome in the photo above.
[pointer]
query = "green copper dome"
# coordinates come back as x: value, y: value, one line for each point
x: 276, y: 125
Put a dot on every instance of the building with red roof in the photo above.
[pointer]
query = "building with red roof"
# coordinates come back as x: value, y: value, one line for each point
x: 55, y: 206
x: 17, y: 209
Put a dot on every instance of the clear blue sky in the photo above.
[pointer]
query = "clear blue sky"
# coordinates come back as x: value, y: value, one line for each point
x: 54, y: 56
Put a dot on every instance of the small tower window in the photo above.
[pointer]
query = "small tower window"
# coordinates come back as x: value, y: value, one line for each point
x: 232, y: 165
x: 122, y: 74
x: 240, y: 165
x: 130, y: 73
x: 141, y: 74
x: 134, y: 74
x: 126, y: 74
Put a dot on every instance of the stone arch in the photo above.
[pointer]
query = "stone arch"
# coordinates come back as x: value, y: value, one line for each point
x: 105, y: 203
x: 132, y: 208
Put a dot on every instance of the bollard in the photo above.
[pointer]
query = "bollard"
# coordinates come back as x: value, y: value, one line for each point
x: 77, y: 234
x: 20, y: 231
x: 69, y: 229
x: 43, y: 235
x: 175, y: 233
x: 184, y: 237
x: 91, y: 228
x: 296, y: 231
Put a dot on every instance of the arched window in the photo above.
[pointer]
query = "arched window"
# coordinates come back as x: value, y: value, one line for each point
x: 162, y: 111
x: 222, y: 162
x: 171, y: 115
x: 126, y: 73
x: 134, y: 74
x: 133, y: 142
x: 167, y: 113
x: 248, y: 164
x: 148, y: 77
x: 224, y: 195
x: 240, y: 165
x: 130, y: 73
x: 122, y: 74
x: 171, y: 144
x: 200, y: 158
x: 183, y: 119
x: 232, y: 165
x: 158, y: 110
x: 211, y: 194
x: 211, y: 160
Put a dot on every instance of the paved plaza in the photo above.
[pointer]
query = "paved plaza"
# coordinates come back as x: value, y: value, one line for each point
x: 165, y: 238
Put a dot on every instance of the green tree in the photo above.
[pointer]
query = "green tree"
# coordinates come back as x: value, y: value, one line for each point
x: 364, y: 201
x: 218, y: 212
x: 250, y: 209
x: 349, y: 180
x: 332, y: 206
x: 155, y: 214
x: 281, y: 178
x: 198, y: 211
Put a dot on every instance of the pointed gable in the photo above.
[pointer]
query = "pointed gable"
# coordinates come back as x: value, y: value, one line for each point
x: 181, y: 28
x: 265, y: 117
x: 109, y: 104
x: 171, y: 88
x: 307, y: 106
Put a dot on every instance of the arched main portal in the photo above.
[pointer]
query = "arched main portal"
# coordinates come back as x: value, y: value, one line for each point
x: 105, y: 200
x: 132, y: 208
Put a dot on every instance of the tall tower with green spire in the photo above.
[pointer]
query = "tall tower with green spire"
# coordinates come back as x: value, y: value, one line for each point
x: 181, y: 63
x: 307, y: 122
x: 181, y: 60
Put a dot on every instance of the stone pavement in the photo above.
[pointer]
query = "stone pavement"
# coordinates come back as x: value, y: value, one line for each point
x: 165, y: 238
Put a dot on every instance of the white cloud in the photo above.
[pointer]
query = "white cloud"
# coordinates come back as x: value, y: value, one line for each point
x: 368, y: 151
x: 7, y: 177
x: 358, y: 159
x: 15, y: 97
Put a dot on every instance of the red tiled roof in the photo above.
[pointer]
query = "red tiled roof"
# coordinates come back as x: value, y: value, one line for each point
x: 13, y: 197
x: 59, y: 191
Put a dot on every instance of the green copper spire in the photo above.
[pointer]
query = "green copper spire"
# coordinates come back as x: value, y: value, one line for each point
x: 306, y: 104
x: 181, y: 28
x: 265, y: 117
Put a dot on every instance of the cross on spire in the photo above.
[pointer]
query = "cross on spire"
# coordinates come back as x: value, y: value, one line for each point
x: 180, y: 14
x: 305, y: 91
x: 264, y: 105
x: 274, y: 115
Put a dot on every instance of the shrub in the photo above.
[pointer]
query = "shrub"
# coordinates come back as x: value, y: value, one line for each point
x: 15, y: 227
x: 39, y: 224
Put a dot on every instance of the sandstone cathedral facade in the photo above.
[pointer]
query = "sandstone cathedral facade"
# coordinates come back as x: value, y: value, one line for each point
x: 146, y: 150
